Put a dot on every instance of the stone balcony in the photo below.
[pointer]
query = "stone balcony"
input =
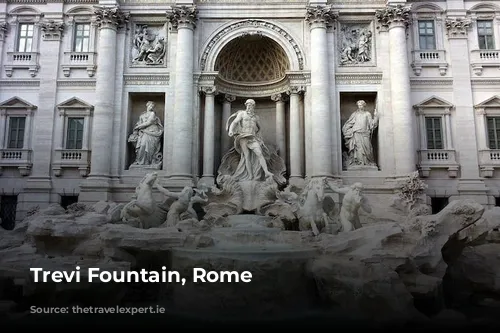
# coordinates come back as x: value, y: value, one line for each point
x: 484, y: 58
x: 22, y: 60
x: 71, y: 158
x: 429, y: 58
x: 79, y: 60
x: 489, y: 160
x: 437, y: 159
x: 20, y: 158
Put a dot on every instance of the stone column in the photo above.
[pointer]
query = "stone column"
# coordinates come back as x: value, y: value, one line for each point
x: 396, y: 19
x: 208, y: 136
x: 296, y: 137
x: 280, y: 124
x: 183, y: 18
x: 96, y: 187
x: 226, y: 112
x: 470, y: 185
x: 3, y: 33
x: 318, y: 18
x: 108, y: 20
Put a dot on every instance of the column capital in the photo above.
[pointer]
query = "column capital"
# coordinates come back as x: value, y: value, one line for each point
x: 280, y: 97
x: 4, y: 27
x: 393, y: 16
x: 296, y: 89
x: 183, y: 17
x: 110, y: 17
x: 208, y: 90
x: 457, y: 27
x: 320, y: 15
x: 228, y: 98
x: 52, y: 30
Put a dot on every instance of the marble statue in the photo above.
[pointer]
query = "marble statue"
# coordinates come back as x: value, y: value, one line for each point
x: 355, y: 45
x: 146, y: 137
x: 351, y: 203
x: 357, y: 131
x: 149, y: 47
x: 182, y: 207
x: 250, y: 159
x: 143, y: 211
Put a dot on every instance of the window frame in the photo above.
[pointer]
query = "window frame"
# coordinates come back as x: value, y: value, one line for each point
x: 67, y: 131
x: 75, y: 38
x: 428, y: 12
x: 426, y: 35
x: 25, y: 15
x: 440, y: 118
x: 485, y: 12
x: 496, y: 125
x: 492, y: 21
x: 20, y: 37
x: 21, y: 108
x: 10, y: 130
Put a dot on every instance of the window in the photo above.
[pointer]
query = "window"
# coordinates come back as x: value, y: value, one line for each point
x: 82, y: 37
x: 497, y: 202
x: 434, y: 130
x: 485, y: 35
x: 67, y: 200
x: 74, y: 134
x: 493, y: 125
x: 25, y: 38
x: 8, y: 207
x: 426, y: 35
x: 16, y: 132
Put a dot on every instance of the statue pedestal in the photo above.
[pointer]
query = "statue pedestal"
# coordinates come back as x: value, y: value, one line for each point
x: 362, y: 168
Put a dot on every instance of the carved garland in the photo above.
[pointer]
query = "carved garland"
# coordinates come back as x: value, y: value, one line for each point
x: 255, y: 24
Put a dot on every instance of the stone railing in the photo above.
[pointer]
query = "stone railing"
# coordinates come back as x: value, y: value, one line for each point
x: 22, y: 60
x: 20, y: 158
x: 438, y: 159
x: 484, y: 58
x: 71, y: 158
x: 429, y: 58
x: 489, y: 160
x: 79, y: 60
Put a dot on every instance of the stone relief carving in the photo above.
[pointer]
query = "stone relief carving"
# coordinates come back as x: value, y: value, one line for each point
x: 52, y: 30
x: 355, y: 44
x: 398, y: 14
x: 182, y: 15
x: 250, y: 159
x: 113, y: 16
x: 146, y: 137
x: 457, y: 27
x: 149, y: 46
x: 357, y: 131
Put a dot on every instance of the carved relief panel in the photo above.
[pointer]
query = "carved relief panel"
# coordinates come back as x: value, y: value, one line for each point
x: 356, y: 44
x: 149, y: 45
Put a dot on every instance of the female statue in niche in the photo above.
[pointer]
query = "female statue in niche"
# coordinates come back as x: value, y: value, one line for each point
x: 146, y: 136
x: 358, y: 130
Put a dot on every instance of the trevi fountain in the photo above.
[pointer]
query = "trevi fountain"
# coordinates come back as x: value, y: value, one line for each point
x: 308, y: 250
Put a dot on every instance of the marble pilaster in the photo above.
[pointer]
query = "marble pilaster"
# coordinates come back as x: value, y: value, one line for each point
x: 183, y: 19
x: 396, y: 19
x: 319, y: 17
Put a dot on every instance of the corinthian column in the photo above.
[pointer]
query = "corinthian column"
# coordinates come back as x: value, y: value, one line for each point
x: 319, y: 17
x: 109, y: 20
x: 226, y: 112
x: 296, y: 136
x: 280, y: 124
x: 208, y: 136
x: 183, y: 18
x: 396, y: 19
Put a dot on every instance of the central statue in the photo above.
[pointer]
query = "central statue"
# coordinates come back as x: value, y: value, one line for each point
x: 249, y: 159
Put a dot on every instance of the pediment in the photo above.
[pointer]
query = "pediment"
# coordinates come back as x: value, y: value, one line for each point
x: 435, y: 103
x: 493, y: 102
x: 74, y: 103
x: 16, y: 103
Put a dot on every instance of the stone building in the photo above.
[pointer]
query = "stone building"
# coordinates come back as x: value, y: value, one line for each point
x: 77, y: 75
